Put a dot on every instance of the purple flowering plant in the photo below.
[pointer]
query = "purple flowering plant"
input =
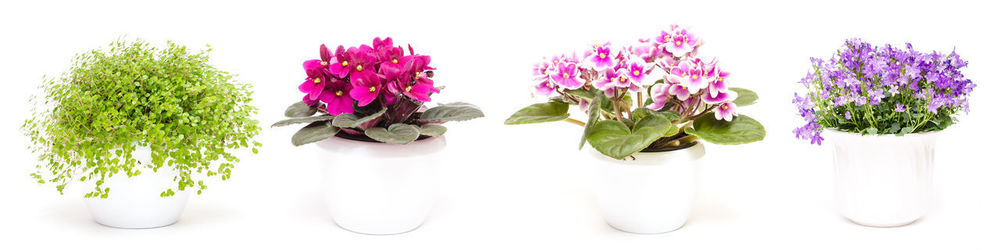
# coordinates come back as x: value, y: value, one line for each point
x: 653, y: 96
x: 867, y: 89
x: 371, y: 93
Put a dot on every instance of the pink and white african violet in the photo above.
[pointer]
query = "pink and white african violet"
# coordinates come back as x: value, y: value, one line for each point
x: 371, y: 92
x: 689, y: 97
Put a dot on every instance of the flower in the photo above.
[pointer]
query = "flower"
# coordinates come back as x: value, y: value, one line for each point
x: 724, y: 96
x: 660, y: 94
x: 365, y: 87
x: 679, y: 42
x: 354, y: 59
x: 636, y: 71
x: 545, y: 88
x: 601, y: 58
x: 725, y: 111
x: 567, y: 76
x: 900, y: 108
x: 337, y: 99
x: 691, y: 74
x: 680, y: 91
x: 315, y: 80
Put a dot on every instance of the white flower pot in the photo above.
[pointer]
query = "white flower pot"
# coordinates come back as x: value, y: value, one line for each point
x: 650, y: 194
x: 883, y: 181
x: 380, y: 188
x: 135, y: 202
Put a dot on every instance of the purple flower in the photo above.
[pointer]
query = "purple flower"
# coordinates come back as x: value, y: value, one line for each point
x: 337, y: 99
x: 847, y: 114
x: 315, y: 80
x: 366, y: 86
x: 725, y: 111
x: 900, y: 108
x: 567, y: 76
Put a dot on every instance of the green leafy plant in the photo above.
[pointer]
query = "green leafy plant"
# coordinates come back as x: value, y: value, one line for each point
x: 89, y: 122
x: 690, y: 103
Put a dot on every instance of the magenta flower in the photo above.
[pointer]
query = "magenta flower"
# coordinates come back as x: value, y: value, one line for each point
x: 719, y: 83
x: 636, y: 71
x: 420, y: 91
x: 660, y: 94
x: 355, y: 59
x: 545, y: 88
x: 567, y: 76
x: 337, y: 99
x: 612, y: 79
x: 315, y: 80
x: 680, y: 91
x: 723, y: 96
x: 602, y: 58
x: 680, y: 42
x: 366, y: 86
x: 726, y: 111
x: 691, y: 74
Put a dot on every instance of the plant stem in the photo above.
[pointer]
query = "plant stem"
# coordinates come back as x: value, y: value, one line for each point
x: 614, y: 103
x: 575, y: 121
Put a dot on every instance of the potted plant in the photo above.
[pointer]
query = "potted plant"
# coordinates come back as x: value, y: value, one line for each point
x: 650, y: 107
x: 142, y: 127
x: 883, y: 108
x: 365, y: 107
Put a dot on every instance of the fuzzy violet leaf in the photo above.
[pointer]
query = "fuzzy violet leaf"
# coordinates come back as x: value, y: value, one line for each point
x: 398, y: 133
x: 741, y: 130
x: 314, y: 132
x: 594, y: 112
x: 614, y: 139
x: 744, y: 97
x: 432, y: 130
x: 303, y: 120
x: 456, y: 111
x: 300, y: 109
x: 540, y: 112
x: 351, y: 120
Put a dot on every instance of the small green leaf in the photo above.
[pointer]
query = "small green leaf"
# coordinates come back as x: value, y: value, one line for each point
x: 744, y: 97
x: 582, y: 93
x: 351, y: 120
x: 613, y: 138
x: 741, y: 130
x: 905, y: 130
x: 871, y: 131
x: 432, y: 130
x: 300, y: 109
x: 456, y: 111
x: 398, y: 133
x: 540, y: 112
x: 314, y: 132
x: 595, y: 114
x: 670, y: 115
x: 303, y: 120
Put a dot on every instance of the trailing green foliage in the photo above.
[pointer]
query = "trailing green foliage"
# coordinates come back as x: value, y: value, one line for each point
x: 87, y: 123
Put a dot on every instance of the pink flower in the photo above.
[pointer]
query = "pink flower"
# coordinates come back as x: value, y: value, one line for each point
x: 636, y: 71
x: 691, y: 74
x: 366, y: 86
x: 602, y: 57
x: 567, y: 76
x: 545, y: 88
x: 726, y: 111
x: 680, y: 42
x: 723, y: 96
x: 337, y: 99
x: 355, y: 59
x: 660, y: 94
x: 315, y: 80
x: 680, y: 91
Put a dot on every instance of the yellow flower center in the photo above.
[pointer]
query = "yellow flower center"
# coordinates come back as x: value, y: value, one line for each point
x: 322, y: 63
x: 317, y: 80
x: 678, y: 43
x: 565, y: 75
x: 548, y: 85
x: 417, y: 75
x: 694, y: 77
x: 408, y: 88
x: 682, y: 87
x: 602, y: 55
x: 666, y: 37
x: 555, y: 61
x: 724, y: 107
x: 344, y: 63
x: 359, y: 68
x: 621, y: 79
x: 635, y: 72
x: 371, y: 89
x: 395, y: 61
x: 339, y: 93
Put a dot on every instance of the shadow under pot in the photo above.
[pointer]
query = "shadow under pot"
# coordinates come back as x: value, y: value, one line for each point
x: 883, y: 180
x: 135, y: 202
x: 380, y: 188
x: 650, y: 193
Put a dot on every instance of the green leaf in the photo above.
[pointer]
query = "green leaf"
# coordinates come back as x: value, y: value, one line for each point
x: 540, y: 112
x: 670, y: 115
x: 300, y: 109
x: 744, y: 97
x: 351, y: 120
x: 303, y: 120
x: 905, y: 130
x: 456, y: 111
x: 432, y: 130
x: 582, y: 93
x: 314, y: 132
x: 742, y: 129
x: 595, y: 114
x: 398, y: 133
x: 613, y: 138
x: 871, y: 131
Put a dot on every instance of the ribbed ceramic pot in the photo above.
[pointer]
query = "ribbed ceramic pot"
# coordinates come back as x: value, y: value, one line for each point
x: 135, y: 202
x: 649, y: 194
x: 883, y: 180
x: 380, y: 188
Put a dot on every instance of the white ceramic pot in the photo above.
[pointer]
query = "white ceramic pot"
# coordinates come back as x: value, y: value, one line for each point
x: 135, y: 202
x: 885, y: 180
x: 650, y: 194
x: 380, y: 188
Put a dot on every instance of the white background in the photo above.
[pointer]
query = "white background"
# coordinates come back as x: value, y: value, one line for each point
x: 512, y: 187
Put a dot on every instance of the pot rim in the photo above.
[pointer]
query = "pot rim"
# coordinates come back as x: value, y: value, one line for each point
x: 696, y: 151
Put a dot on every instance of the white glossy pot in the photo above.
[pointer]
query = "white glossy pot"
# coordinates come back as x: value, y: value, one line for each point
x: 883, y: 181
x: 650, y: 194
x: 380, y: 188
x: 135, y: 202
